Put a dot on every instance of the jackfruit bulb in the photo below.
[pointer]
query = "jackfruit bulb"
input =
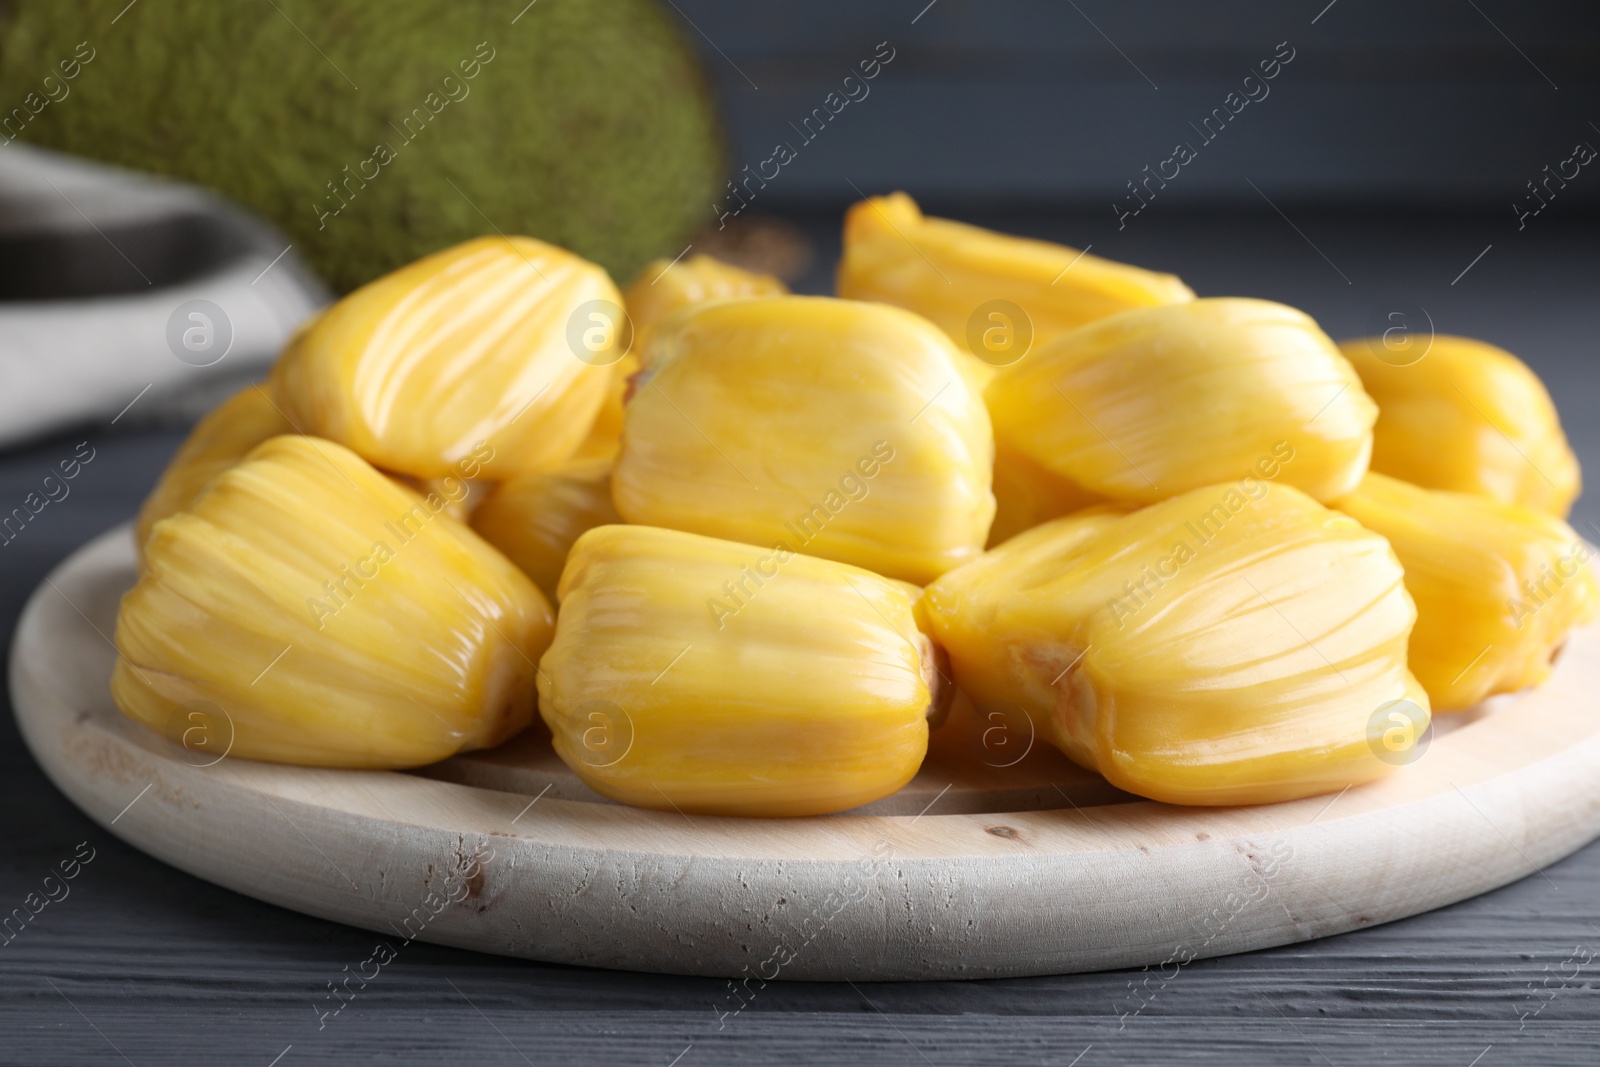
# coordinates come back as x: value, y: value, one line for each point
x: 329, y: 617
x: 1465, y: 416
x: 1220, y: 647
x: 1497, y: 586
x: 474, y: 361
x: 1148, y: 404
x: 218, y: 441
x: 694, y: 674
x: 968, y: 280
x: 838, y: 428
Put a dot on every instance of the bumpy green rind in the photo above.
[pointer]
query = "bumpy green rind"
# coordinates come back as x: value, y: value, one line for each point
x: 590, y: 126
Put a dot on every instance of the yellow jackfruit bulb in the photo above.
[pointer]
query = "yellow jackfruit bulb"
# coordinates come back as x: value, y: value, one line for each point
x: 535, y: 519
x: 661, y: 288
x: 1026, y: 493
x: 972, y: 282
x: 664, y: 286
x: 495, y: 352
x: 1466, y: 416
x: 832, y: 427
x: 217, y: 442
x: 1497, y: 586
x: 323, y: 615
x: 1149, y: 404
x: 605, y: 433
x: 1216, y: 648
x: 700, y: 675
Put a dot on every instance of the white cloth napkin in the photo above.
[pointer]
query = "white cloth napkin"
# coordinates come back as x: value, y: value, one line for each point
x: 120, y: 291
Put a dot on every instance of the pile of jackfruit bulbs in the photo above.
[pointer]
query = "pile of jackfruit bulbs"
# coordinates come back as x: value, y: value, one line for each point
x: 741, y: 549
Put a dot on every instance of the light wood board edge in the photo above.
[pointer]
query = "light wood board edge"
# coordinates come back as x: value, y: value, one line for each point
x: 866, y: 898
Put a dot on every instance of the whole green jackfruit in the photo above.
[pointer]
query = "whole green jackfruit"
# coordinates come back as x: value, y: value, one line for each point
x: 586, y: 123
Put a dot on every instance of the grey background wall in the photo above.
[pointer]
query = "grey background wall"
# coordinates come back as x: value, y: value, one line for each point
x: 1430, y: 102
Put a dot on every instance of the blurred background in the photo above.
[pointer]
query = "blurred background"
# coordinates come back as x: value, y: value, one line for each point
x: 1429, y: 104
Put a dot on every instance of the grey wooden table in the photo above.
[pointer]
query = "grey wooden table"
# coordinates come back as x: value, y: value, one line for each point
x: 143, y: 964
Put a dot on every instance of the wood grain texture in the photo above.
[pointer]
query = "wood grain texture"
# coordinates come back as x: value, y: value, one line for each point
x: 860, y: 897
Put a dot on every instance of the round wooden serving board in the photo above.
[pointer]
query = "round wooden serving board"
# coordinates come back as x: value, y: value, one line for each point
x: 972, y: 871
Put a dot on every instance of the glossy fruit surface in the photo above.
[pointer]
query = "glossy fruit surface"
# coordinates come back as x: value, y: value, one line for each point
x: 496, y: 352
x: 1215, y: 648
x: 837, y: 428
x: 1149, y: 404
x: 702, y: 675
x: 330, y: 617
